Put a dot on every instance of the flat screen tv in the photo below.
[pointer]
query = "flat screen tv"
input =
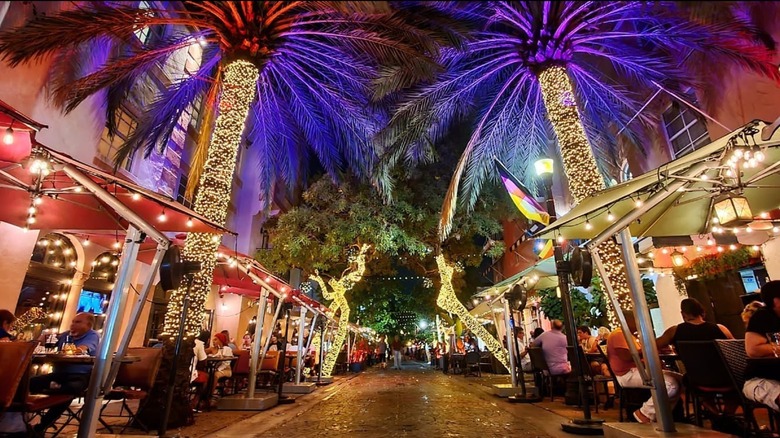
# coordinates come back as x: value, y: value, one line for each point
x: 91, y: 302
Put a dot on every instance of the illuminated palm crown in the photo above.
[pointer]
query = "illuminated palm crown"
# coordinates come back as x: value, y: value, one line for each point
x: 318, y: 62
x: 611, y: 51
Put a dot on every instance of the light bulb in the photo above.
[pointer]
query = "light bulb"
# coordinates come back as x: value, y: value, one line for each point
x: 560, y: 239
x: 720, y: 249
x: 610, y: 216
x: 31, y: 220
x: 764, y: 215
x: 37, y: 200
x: 698, y: 249
x: 732, y: 247
x: 190, y: 223
x: 8, y: 138
x: 78, y: 189
x: 31, y: 210
x: 116, y: 245
x: 162, y: 217
x: 710, y: 242
x: 136, y: 197
x: 638, y: 203
x: 588, y: 225
x: 756, y: 248
x: 85, y: 242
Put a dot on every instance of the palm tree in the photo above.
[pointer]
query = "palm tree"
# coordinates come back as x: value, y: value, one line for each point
x: 299, y: 74
x: 537, y: 72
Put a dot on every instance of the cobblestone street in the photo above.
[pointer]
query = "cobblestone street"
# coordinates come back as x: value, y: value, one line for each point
x: 416, y: 401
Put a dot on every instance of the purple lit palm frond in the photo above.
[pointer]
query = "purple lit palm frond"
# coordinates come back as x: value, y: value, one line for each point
x: 319, y: 69
x: 614, y: 52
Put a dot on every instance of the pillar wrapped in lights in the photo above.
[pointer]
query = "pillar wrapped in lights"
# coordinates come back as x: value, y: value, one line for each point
x: 338, y: 289
x: 580, y: 166
x: 238, y: 91
x: 732, y: 210
x: 449, y: 302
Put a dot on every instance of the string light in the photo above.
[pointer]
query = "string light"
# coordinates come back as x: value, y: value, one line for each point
x: 85, y: 242
x: 162, y: 217
x: 588, y: 225
x: 213, y: 195
x: 610, y: 216
x: 190, y: 223
x: 136, y: 196
x: 338, y: 289
x: 448, y: 301
x: 580, y: 168
x: 8, y: 137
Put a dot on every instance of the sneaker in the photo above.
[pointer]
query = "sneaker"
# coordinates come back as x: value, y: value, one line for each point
x: 641, y: 418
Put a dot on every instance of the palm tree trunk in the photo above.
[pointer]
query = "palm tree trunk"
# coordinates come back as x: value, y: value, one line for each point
x: 239, y: 86
x: 580, y: 165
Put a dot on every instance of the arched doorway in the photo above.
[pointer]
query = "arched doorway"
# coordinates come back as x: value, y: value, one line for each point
x: 47, y: 284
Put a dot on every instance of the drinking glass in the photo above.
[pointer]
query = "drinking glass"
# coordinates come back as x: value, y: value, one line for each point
x: 774, y: 341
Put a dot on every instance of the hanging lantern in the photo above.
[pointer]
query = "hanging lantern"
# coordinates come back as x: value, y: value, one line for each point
x: 678, y: 259
x: 732, y: 209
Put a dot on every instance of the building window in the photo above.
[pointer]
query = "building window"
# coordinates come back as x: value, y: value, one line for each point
x: 684, y: 129
x: 109, y: 145
x: 625, y: 172
x: 144, y: 32
x: 180, y: 197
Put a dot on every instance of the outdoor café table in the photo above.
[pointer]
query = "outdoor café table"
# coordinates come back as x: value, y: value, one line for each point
x: 211, y: 364
x: 768, y: 366
x: 669, y: 360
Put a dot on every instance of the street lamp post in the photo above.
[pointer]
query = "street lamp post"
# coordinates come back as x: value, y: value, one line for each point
x: 544, y: 167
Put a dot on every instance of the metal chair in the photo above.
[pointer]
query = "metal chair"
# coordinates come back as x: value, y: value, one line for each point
x: 733, y: 353
x: 542, y: 371
x: 133, y: 382
x: 472, y: 364
x: 630, y: 398
x: 592, y: 381
x: 706, y: 376
x: 15, y: 360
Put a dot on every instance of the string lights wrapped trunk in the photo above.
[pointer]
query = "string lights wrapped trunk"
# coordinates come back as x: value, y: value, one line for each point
x: 580, y: 167
x: 238, y: 91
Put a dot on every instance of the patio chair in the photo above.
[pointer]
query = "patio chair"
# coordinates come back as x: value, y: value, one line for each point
x: 240, y: 371
x: 734, y: 356
x: 15, y: 359
x: 472, y: 364
x: 268, y: 369
x: 593, y: 381
x: 134, y: 381
x: 486, y: 362
x: 631, y: 399
x: 542, y: 371
x: 706, y: 375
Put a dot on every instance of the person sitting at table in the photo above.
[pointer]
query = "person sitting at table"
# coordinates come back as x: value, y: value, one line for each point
x: 553, y: 345
x: 749, y: 310
x: 220, y: 349
x: 762, y: 384
x: 69, y: 378
x: 6, y: 320
x: 536, y: 333
x: 198, y: 377
x: 472, y: 345
x: 693, y: 327
x: 525, y: 359
x: 230, y: 342
x: 627, y: 374
x: 603, y: 334
x: 588, y: 342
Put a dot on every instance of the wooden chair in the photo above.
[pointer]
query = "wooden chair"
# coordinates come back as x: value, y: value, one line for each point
x: 134, y: 381
x: 15, y: 359
x: 268, y: 368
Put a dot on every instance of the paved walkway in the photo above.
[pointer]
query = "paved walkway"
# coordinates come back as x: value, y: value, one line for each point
x: 415, y: 401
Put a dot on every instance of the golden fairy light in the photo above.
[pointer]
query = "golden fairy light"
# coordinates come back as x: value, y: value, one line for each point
x: 238, y: 91
x: 449, y: 302
x: 580, y: 167
x: 338, y: 289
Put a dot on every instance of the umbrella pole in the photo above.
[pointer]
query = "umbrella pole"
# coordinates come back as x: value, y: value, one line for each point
x: 260, y: 319
x: 662, y: 402
x: 105, y: 351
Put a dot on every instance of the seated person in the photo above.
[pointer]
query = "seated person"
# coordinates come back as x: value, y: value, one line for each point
x: 749, y: 310
x: 693, y: 327
x: 6, y: 320
x: 553, y: 345
x: 69, y: 378
x: 626, y: 371
x: 525, y: 359
x: 274, y: 344
x: 761, y: 383
x: 229, y: 342
x: 588, y: 342
x: 198, y: 377
x: 220, y: 349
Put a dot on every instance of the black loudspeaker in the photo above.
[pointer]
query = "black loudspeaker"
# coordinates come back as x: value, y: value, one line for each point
x: 581, y: 267
x: 173, y: 269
